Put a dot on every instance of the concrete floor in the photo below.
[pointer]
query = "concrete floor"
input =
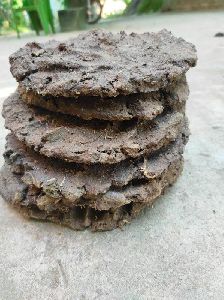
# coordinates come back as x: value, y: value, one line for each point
x: 173, y: 251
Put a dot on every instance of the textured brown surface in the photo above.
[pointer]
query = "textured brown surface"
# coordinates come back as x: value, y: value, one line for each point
x: 88, y: 142
x: 144, y: 106
x: 99, y: 63
x: 75, y: 183
x: 134, y: 198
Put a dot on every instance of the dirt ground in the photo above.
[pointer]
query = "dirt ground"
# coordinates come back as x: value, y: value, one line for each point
x: 173, y: 251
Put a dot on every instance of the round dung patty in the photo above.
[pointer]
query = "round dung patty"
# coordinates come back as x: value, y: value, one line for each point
x: 87, y: 142
x: 74, y: 184
x: 143, y: 106
x: 100, y: 63
x: 34, y: 205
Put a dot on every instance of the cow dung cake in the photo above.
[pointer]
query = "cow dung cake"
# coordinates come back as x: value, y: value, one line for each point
x: 97, y: 126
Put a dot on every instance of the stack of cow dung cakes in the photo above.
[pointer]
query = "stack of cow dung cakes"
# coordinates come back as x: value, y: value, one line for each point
x: 98, y: 126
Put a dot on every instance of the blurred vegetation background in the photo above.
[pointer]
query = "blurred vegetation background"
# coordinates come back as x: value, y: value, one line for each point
x: 6, y: 16
x: 9, y: 9
x: 112, y: 8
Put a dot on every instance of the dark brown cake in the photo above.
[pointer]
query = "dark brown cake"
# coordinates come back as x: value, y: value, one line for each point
x: 129, y: 201
x: 99, y: 63
x: 142, y: 106
x: 88, y: 142
x: 98, y: 126
x: 73, y: 183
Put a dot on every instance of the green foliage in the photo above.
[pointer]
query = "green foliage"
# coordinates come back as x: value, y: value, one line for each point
x: 146, y: 6
x: 20, y: 19
x: 4, y: 6
x: 127, y: 2
x: 16, y: 3
x: 6, y: 15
